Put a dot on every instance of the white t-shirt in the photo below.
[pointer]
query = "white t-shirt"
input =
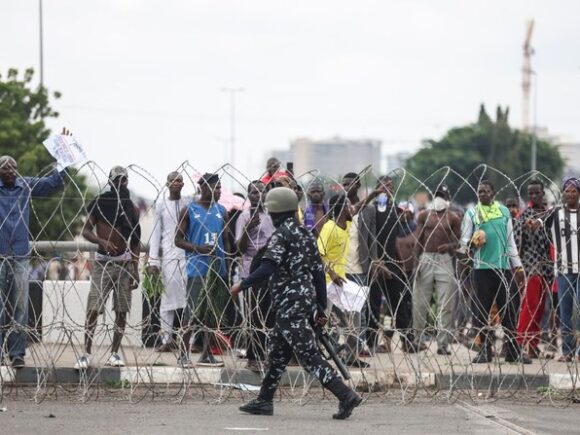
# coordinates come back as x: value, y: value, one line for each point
x: 353, y: 265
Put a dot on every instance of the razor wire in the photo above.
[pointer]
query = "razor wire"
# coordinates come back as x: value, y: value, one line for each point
x: 399, y: 369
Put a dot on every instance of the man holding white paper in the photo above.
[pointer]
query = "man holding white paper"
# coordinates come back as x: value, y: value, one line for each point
x: 16, y: 192
x: 333, y: 244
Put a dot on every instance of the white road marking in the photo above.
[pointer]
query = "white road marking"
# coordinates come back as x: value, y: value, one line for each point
x: 495, y: 419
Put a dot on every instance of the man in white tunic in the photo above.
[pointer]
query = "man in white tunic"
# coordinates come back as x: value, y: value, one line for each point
x: 165, y: 255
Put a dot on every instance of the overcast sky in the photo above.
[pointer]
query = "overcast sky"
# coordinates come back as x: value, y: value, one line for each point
x: 141, y: 79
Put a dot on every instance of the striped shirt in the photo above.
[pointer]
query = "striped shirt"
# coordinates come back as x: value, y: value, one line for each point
x: 562, y: 226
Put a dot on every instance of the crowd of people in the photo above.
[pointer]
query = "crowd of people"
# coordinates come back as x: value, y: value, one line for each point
x: 441, y: 272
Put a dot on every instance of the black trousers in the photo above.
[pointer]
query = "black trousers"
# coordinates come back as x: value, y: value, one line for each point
x: 293, y: 334
x: 399, y: 304
x: 261, y: 319
x: 495, y: 285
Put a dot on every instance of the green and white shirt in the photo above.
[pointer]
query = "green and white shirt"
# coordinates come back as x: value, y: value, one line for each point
x: 499, y: 250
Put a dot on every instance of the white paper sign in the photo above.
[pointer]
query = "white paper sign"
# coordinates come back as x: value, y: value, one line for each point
x: 66, y: 150
x: 350, y: 297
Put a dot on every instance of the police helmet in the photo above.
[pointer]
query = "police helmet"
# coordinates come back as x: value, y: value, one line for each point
x: 281, y: 200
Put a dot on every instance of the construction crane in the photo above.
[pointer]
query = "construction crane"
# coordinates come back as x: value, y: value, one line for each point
x: 527, y: 76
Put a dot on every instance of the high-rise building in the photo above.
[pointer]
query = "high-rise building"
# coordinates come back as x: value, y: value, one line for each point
x: 569, y: 150
x: 335, y: 156
x: 397, y: 160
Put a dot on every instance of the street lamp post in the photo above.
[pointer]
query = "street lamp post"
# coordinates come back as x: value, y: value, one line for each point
x: 534, y: 162
x: 232, y: 142
x: 41, y: 51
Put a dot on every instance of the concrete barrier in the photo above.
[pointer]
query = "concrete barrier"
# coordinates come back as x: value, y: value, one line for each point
x: 64, y: 306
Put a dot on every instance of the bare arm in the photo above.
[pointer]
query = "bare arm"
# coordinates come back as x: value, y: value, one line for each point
x: 420, y: 231
x: 88, y: 233
x: 456, y: 226
x: 455, y: 222
x: 180, y: 240
x: 364, y: 202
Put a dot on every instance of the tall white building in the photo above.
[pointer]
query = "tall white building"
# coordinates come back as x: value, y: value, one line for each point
x: 569, y: 150
x: 336, y: 156
x: 398, y: 160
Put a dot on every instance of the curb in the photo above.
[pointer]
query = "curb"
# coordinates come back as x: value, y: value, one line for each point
x: 492, y: 382
x: 568, y: 381
x: 294, y: 377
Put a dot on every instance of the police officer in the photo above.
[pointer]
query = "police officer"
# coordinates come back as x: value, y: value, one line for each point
x: 298, y: 297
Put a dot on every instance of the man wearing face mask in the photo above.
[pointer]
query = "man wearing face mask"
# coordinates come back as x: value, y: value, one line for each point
x: 379, y: 226
x: 438, y: 232
x: 112, y: 224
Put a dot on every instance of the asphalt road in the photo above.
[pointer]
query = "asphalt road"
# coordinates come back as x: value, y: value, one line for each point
x: 161, y: 417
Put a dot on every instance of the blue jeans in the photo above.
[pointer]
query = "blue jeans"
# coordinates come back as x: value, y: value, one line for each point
x: 568, y: 300
x: 13, y: 305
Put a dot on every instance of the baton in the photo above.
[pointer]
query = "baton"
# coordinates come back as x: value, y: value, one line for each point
x: 332, y: 351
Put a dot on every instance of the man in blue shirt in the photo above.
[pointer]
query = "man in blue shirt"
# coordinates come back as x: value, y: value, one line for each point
x: 16, y: 192
x: 201, y: 234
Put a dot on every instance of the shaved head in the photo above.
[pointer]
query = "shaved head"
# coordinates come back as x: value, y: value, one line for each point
x: 8, y: 170
x: 173, y: 175
x: 8, y: 160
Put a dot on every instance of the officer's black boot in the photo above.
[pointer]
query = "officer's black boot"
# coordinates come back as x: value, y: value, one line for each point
x: 348, y: 399
x: 262, y: 405
x: 258, y: 407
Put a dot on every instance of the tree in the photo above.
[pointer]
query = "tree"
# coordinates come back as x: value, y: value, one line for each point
x: 463, y: 150
x: 22, y: 130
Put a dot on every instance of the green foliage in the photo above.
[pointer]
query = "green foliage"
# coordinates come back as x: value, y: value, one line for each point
x: 493, y: 143
x: 118, y: 384
x: 152, y: 284
x: 23, y: 111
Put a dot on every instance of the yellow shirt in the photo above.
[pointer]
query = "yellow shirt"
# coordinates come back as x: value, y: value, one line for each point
x: 333, y: 243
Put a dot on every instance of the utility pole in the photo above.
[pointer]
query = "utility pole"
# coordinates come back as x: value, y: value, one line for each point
x: 232, y: 142
x: 534, y: 162
x: 41, y: 31
x: 526, y: 75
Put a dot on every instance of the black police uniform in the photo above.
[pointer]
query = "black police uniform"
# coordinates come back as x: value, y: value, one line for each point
x: 293, y: 253
x: 294, y: 263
